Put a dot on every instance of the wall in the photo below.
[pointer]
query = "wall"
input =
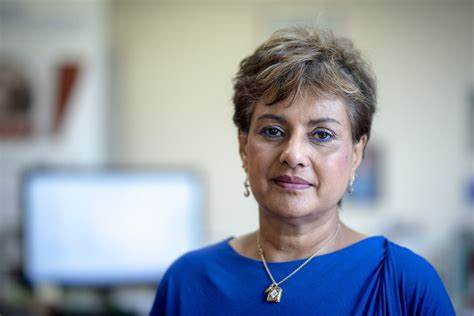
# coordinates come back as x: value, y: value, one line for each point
x: 174, y: 69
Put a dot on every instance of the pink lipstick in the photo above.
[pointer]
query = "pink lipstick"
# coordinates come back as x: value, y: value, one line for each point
x: 292, y: 183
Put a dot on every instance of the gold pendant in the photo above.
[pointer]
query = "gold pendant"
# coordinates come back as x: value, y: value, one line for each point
x: 274, y: 293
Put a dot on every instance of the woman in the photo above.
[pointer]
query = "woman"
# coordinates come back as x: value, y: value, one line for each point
x: 304, y: 102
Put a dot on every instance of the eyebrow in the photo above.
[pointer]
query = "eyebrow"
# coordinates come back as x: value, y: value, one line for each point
x: 282, y: 120
x: 323, y: 120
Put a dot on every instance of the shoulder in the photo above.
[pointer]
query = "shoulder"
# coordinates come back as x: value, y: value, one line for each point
x: 196, y: 259
x: 410, y: 267
x: 185, y: 276
x: 409, y: 263
x: 418, y: 280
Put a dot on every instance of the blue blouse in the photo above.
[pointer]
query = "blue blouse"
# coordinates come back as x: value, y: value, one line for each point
x: 371, y: 277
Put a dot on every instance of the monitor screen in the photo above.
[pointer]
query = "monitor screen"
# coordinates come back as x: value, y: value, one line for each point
x: 108, y: 226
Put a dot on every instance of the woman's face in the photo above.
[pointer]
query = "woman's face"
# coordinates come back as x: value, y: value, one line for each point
x: 300, y: 156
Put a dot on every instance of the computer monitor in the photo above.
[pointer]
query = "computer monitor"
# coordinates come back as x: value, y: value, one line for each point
x: 108, y: 227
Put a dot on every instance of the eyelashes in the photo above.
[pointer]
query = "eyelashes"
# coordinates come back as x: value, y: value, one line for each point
x: 318, y: 135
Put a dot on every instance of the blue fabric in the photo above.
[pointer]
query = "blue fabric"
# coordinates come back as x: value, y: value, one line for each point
x: 371, y: 277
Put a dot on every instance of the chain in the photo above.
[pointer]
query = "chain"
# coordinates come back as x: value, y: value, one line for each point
x: 260, y: 250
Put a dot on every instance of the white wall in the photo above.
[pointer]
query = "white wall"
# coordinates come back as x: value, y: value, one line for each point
x: 174, y: 66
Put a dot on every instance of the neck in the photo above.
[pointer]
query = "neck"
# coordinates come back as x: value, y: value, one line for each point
x: 283, y: 240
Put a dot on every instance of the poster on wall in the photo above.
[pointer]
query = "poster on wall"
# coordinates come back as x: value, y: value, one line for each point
x: 16, y: 103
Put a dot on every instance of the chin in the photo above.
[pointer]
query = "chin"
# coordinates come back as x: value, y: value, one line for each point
x: 290, y: 209
x: 296, y: 206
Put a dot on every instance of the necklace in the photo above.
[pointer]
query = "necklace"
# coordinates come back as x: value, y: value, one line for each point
x: 274, y: 291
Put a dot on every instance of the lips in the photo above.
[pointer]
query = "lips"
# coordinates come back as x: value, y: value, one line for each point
x: 293, y: 183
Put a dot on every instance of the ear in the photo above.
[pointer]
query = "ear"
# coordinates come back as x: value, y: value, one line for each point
x: 243, y: 148
x: 358, y: 153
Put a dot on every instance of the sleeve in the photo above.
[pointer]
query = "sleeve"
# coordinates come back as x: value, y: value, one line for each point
x: 161, y: 302
x: 422, y: 287
x: 429, y: 296
x: 173, y: 296
x: 167, y: 297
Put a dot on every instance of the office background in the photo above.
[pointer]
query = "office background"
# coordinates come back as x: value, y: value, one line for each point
x: 149, y: 84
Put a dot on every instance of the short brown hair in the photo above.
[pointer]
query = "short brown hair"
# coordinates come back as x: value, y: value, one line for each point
x: 296, y: 59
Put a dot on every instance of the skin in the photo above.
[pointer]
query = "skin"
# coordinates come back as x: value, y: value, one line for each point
x: 309, y: 138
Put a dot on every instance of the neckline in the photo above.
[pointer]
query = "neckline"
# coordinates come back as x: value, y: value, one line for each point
x: 341, y: 251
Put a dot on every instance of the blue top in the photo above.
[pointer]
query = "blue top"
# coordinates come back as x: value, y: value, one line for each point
x: 371, y: 277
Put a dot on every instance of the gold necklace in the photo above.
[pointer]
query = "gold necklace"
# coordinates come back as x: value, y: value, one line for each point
x: 274, y: 291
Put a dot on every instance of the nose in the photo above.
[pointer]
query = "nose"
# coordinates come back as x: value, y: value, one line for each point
x: 295, y: 152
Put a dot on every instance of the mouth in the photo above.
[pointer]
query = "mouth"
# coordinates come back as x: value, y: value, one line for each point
x: 292, y: 183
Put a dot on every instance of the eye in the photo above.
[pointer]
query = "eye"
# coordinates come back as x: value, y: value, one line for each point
x: 322, y: 136
x: 272, y: 132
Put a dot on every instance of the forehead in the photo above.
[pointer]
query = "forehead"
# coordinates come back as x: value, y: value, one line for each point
x: 306, y: 107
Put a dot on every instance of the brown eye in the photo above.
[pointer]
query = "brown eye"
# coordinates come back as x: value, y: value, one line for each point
x: 322, y: 136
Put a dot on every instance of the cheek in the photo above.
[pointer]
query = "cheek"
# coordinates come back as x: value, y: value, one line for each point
x: 260, y: 155
x: 339, y: 165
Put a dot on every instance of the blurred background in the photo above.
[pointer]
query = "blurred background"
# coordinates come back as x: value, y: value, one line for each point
x: 118, y: 152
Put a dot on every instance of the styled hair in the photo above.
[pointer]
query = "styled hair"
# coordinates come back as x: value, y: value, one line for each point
x: 298, y: 59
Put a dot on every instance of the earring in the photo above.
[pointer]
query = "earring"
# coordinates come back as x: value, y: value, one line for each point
x: 350, y: 189
x: 246, y: 186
